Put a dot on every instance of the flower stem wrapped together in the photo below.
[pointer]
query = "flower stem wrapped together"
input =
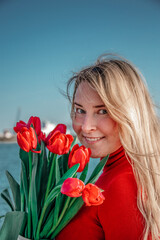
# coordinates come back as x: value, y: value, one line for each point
x: 49, y: 194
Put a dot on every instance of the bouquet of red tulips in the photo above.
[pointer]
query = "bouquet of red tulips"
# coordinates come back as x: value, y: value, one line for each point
x: 50, y: 193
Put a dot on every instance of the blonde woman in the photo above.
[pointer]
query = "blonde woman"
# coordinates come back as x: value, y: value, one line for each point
x: 112, y: 113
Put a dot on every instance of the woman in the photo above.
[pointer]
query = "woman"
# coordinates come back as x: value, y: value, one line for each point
x: 112, y: 113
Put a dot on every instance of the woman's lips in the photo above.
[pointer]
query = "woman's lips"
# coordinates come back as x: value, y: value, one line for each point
x: 92, y: 139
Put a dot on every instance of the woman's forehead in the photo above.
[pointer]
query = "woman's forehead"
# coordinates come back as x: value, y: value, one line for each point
x: 87, y: 94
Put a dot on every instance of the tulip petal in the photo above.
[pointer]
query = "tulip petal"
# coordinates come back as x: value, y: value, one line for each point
x: 59, y: 143
x: 92, y: 195
x: 33, y: 138
x: 36, y: 122
x: 23, y: 143
x: 79, y: 155
x: 72, y: 187
x: 19, y: 126
x: 59, y: 128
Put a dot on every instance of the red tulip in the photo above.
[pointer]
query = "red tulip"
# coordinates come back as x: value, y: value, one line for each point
x: 79, y: 155
x: 60, y: 127
x: 59, y: 143
x: 19, y: 126
x: 72, y: 187
x: 36, y: 122
x: 92, y: 195
x: 27, y: 139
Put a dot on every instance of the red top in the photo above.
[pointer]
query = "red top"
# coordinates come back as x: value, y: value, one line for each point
x: 118, y: 217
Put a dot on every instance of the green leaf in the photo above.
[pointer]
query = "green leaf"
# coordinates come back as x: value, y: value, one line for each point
x: 34, y: 208
x: 25, y: 181
x: 56, y: 209
x: 95, y: 174
x: 62, y: 213
x: 22, y: 195
x: 48, y: 201
x: 25, y: 158
x: 74, y: 142
x: 12, y: 225
x: 42, y: 175
x: 25, y: 173
x: 68, y: 216
x: 55, y: 191
x: 15, y: 188
x: 6, y: 196
x: 48, y: 224
x: 69, y: 173
x: 63, y: 164
x: 57, y: 171
x: 84, y: 173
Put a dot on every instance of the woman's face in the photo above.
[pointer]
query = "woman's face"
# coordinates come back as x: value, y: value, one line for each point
x: 94, y: 127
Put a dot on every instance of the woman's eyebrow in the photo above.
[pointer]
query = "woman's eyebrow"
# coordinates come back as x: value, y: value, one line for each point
x: 78, y: 104
x: 97, y: 106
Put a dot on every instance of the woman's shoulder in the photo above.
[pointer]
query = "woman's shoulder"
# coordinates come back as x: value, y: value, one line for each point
x: 117, y: 176
x: 119, y: 214
x: 122, y: 183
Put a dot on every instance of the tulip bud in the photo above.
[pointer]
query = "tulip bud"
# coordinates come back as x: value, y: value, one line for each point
x: 72, y: 187
x: 60, y: 127
x: 79, y: 155
x: 36, y: 122
x: 92, y: 195
x: 19, y: 126
x: 27, y: 139
x: 60, y: 143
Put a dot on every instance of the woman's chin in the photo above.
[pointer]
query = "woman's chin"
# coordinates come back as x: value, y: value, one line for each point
x: 95, y: 155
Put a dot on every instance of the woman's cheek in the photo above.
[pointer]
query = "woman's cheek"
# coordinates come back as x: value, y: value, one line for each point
x: 76, y: 127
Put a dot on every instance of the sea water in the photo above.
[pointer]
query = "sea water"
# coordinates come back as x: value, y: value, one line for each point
x: 10, y: 161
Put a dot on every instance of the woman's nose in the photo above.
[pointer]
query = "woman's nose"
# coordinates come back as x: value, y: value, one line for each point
x: 88, y: 124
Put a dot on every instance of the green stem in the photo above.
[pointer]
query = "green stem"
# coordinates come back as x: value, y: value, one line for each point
x: 53, y: 194
x: 50, y: 176
x: 29, y: 198
x: 22, y: 195
x: 60, y: 217
x: 22, y: 201
x: 40, y: 221
x: 54, y: 156
x: 49, y: 156
x: 72, y: 201
x: 69, y: 214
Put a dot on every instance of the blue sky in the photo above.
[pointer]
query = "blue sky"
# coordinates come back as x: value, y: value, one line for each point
x: 43, y: 41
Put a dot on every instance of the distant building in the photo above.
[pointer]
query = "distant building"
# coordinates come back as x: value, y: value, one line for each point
x: 47, y: 127
x: 7, y: 136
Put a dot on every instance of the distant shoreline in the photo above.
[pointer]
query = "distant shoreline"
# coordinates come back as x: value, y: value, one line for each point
x: 8, y: 137
x: 6, y: 142
x: 13, y: 139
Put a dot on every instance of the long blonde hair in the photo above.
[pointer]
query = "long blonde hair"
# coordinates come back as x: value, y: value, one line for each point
x: 123, y: 90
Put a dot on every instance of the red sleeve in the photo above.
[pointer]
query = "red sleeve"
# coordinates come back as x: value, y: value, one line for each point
x: 119, y: 214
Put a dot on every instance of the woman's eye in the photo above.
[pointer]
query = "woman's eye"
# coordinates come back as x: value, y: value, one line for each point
x: 102, y: 111
x: 79, y: 110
